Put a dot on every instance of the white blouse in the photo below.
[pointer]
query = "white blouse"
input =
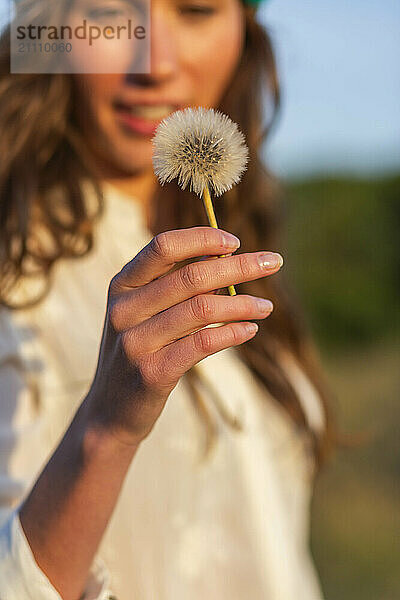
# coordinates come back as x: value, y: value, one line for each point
x: 234, y: 527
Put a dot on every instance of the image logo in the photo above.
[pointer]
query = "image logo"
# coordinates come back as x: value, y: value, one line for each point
x: 80, y: 36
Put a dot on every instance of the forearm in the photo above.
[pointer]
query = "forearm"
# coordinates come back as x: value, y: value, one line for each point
x: 67, y: 511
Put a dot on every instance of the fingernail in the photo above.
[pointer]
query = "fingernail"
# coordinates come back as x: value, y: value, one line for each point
x: 230, y: 241
x: 251, y: 327
x: 264, y: 305
x: 270, y: 260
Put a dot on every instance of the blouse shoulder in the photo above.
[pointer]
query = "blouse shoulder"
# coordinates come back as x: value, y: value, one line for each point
x: 308, y: 396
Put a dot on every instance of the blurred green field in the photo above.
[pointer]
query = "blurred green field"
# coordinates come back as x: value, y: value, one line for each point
x: 343, y: 254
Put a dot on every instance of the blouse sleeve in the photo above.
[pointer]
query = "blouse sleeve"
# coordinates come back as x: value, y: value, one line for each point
x: 20, y: 576
x: 22, y: 579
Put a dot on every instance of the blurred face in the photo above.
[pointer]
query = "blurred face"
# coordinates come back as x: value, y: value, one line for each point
x: 195, y: 48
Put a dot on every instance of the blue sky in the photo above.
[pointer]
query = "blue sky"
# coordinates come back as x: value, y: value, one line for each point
x: 340, y: 70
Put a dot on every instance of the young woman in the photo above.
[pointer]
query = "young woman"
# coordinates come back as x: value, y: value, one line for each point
x: 182, y: 466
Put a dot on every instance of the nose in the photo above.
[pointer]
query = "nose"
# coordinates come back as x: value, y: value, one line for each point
x: 164, y: 50
x: 164, y: 57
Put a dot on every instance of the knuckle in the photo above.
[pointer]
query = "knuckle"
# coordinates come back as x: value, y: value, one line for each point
x: 146, y: 370
x: 235, y: 334
x: 244, y: 265
x: 201, y: 308
x: 128, y: 344
x: 152, y: 372
x: 161, y: 245
x: 203, y: 341
x: 113, y: 286
x: 203, y: 235
x: 115, y: 316
x: 192, y: 276
x: 207, y: 238
x: 125, y: 340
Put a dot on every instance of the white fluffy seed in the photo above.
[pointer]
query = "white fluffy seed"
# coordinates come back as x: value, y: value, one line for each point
x: 201, y: 147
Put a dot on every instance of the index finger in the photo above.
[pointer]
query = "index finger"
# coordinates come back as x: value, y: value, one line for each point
x: 169, y: 247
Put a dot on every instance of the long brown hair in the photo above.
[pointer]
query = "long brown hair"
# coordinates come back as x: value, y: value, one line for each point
x: 44, y: 159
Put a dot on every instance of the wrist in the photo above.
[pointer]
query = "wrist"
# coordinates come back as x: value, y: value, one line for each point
x: 98, y: 436
x: 101, y: 439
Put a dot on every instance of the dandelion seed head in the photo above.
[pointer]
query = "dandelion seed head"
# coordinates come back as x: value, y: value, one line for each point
x: 200, y: 147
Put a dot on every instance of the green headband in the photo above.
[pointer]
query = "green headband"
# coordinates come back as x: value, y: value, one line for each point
x: 253, y: 3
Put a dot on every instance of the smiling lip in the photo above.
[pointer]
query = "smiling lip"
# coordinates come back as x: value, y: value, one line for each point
x: 143, y: 118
